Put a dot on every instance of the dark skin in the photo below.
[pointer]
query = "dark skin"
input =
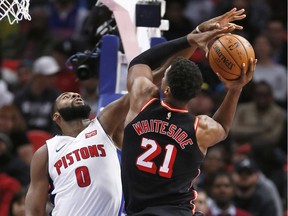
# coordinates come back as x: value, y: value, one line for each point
x: 112, y: 117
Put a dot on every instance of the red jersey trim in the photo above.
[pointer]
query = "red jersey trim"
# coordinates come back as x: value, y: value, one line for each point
x: 196, y: 123
x: 148, y: 103
x: 173, y: 109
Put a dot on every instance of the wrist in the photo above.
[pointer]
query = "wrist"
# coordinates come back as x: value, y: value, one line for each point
x: 197, y: 30
x: 235, y: 90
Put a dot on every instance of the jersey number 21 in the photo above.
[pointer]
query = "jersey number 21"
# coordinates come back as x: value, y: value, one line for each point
x: 153, y: 149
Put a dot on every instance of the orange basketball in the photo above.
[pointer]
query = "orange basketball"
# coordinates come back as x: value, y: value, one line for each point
x: 228, y: 53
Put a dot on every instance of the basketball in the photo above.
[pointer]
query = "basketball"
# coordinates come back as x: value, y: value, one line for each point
x: 227, y: 54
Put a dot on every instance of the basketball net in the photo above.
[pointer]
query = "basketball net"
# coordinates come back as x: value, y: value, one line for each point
x: 15, y: 10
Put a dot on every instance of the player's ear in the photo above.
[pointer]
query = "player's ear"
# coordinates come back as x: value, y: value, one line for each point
x: 56, y: 116
x: 167, y: 90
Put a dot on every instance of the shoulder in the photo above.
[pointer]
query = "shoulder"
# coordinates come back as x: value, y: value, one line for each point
x: 40, y: 159
x: 206, y: 124
x: 209, y: 132
x: 205, y: 121
x: 41, y: 152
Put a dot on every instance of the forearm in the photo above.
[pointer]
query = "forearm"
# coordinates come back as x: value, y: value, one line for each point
x: 225, y: 113
x: 33, y: 208
x: 157, y: 55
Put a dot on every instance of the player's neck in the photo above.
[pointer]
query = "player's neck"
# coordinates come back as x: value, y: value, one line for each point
x: 73, y: 128
x: 176, y: 103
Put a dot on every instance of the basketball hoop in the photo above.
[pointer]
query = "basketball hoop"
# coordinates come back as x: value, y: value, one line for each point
x: 15, y: 10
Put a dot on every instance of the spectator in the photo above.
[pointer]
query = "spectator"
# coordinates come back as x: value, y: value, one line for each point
x: 66, y: 18
x: 252, y: 194
x: 222, y: 192
x: 33, y: 40
x: 214, y: 162
x: 24, y: 149
x: 8, y: 187
x: 24, y: 74
x: 35, y: 102
x: 10, y: 164
x: 6, y: 97
x: 260, y: 123
x: 267, y: 70
x: 17, y: 205
x: 65, y: 79
x: 13, y: 125
x: 201, y: 202
x: 276, y: 33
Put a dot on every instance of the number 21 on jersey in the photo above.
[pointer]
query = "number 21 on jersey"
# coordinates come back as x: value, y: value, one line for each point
x: 153, y: 149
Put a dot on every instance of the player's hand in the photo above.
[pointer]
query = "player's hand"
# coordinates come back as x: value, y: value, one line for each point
x: 243, y: 79
x: 223, y: 20
x: 202, y: 39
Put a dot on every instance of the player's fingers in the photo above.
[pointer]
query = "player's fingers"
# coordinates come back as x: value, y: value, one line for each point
x: 228, y: 14
x: 229, y: 29
x: 221, y: 78
x: 238, y: 27
x: 213, y: 26
x: 237, y: 17
x: 252, y: 66
x: 206, y: 50
x: 238, y: 14
x: 243, y: 71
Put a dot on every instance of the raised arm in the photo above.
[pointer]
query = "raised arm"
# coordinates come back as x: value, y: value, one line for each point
x: 215, y: 129
x: 35, y: 204
x: 221, y: 21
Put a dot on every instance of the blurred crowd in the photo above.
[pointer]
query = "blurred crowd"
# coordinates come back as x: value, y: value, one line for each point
x: 246, y: 173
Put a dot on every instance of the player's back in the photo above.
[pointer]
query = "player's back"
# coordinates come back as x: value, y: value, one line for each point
x: 160, y: 158
x: 85, y: 173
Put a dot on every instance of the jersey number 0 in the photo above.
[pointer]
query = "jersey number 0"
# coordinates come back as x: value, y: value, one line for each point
x: 83, y: 176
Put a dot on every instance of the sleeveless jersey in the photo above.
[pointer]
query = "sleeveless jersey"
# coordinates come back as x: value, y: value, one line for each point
x: 160, y: 159
x: 85, y: 173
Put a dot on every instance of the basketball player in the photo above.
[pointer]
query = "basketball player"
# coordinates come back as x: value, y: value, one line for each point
x: 163, y: 144
x: 81, y: 165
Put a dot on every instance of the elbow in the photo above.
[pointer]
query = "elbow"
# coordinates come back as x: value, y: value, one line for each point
x: 225, y: 132
x: 225, y: 136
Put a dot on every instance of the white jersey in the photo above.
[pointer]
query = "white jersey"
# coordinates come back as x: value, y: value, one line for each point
x: 85, y: 173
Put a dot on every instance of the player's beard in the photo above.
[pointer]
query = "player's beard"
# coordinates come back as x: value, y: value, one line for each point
x: 73, y: 113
